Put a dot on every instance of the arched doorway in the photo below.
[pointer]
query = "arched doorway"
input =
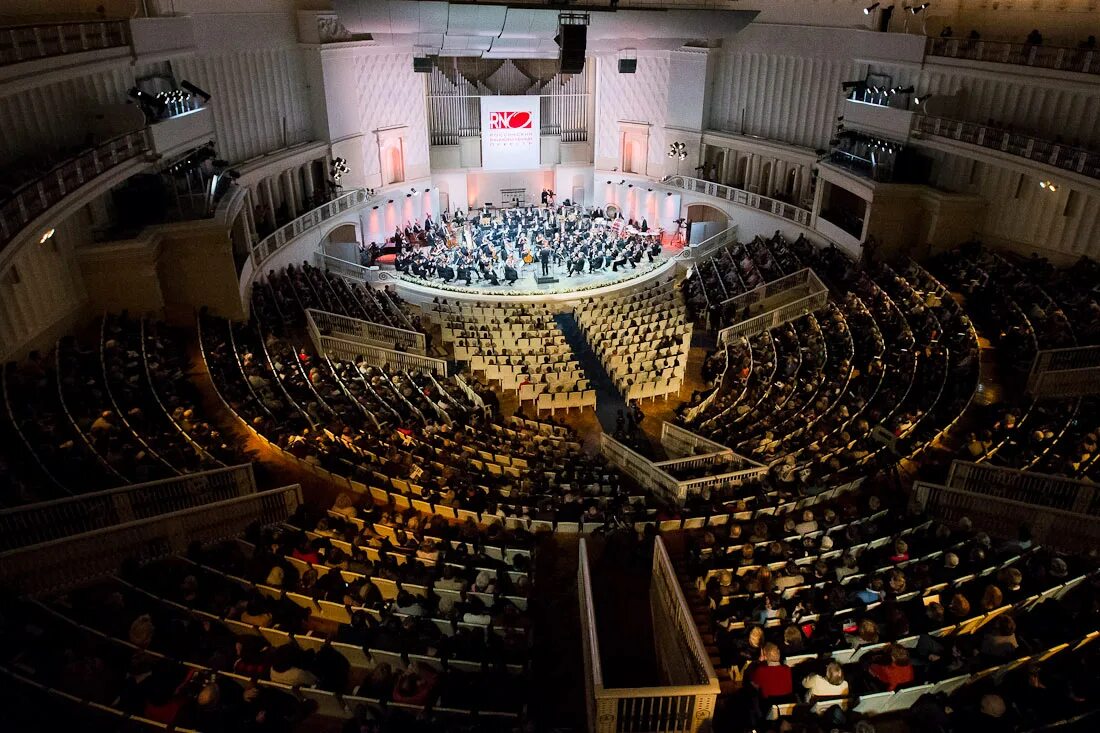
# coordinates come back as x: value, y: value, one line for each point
x: 704, y: 221
x: 342, y: 242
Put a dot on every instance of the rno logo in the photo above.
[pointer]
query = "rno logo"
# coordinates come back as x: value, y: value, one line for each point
x: 509, y: 120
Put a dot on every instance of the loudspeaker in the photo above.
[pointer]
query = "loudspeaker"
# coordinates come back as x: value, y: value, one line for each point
x: 572, y: 39
x: 628, y: 66
x: 422, y: 64
x: 545, y: 280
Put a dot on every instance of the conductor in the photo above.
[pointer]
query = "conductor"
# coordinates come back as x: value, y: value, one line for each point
x: 544, y: 258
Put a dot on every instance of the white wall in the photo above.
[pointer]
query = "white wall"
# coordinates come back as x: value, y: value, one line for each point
x: 251, y: 65
x: 639, y: 97
x: 366, y: 90
x: 49, y: 294
x: 1063, y: 224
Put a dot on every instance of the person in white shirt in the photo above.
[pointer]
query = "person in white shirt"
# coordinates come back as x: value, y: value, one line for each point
x: 831, y: 684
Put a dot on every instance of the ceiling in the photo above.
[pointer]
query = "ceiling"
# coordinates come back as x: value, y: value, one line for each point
x: 499, y: 31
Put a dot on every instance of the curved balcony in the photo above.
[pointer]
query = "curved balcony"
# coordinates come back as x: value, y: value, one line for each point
x: 1058, y: 58
x: 34, y: 198
x: 741, y: 197
x: 1038, y: 150
x: 32, y: 41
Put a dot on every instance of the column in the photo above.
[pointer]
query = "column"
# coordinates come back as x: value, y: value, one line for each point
x: 288, y: 194
x: 805, y: 181
x: 250, y: 217
x: 269, y: 198
x: 307, y: 179
x: 779, y: 182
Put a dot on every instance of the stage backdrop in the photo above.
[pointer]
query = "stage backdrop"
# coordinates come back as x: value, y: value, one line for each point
x: 510, y: 132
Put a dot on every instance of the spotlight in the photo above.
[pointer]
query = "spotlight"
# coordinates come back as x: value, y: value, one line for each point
x: 408, y: 195
x: 622, y: 182
x: 917, y: 100
x: 870, y: 9
x: 375, y: 207
x: 195, y: 90
x: 905, y: 90
x: 649, y: 189
x: 390, y: 201
x: 630, y: 185
x: 609, y: 183
x: 668, y: 193
x: 1052, y: 187
x: 414, y: 189
x: 1042, y: 184
x: 45, y: 236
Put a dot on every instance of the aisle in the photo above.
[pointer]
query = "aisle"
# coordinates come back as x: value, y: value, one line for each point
x: 608, y: 399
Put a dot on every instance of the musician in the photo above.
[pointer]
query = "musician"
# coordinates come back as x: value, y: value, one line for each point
x: 510, y: 274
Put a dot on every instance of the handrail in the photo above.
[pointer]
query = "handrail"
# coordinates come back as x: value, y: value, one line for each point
x: 376, y: 334
x: 1040, y: 489
x: 1031, y: 147
x: 32, y: 41
x: 672, y: 612
x: 33, y: 198
x: 275, y: 241
x: 741, y: 197
x: 1062, y: 58
x: 63, y: 563
x: 355, y: 349
x: 1068, y: 372
x: 1003, y: 517
x: 49, y: 520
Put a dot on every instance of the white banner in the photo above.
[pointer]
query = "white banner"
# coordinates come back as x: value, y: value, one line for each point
x: 510, y: 133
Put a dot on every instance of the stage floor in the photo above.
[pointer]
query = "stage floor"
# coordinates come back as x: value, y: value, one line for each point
x: 527, y: 285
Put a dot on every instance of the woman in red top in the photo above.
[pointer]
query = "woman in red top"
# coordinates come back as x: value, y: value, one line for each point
x: 898, y: 672
x: 772, y: 678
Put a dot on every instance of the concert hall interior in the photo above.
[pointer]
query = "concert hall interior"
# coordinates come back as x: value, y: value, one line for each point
x: 548, y: 366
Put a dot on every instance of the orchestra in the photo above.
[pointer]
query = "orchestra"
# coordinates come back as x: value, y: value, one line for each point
x: 494, y: 246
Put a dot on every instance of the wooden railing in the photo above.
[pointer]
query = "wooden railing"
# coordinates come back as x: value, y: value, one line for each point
x: 1061, y: 58
x: 779, y: 316
x: 740, y: 197
x: 363, y: 350
x: 702, y: 250
x: 658, y: 477
x: 1002, y: 517
x: 64, y: 563
x: 1036, y: 149
x: 33, y: 198
x: 679, y: 442
x: 31, y: 41
x: 680, y: 649
x: 1073, y: 372
x: 49, y: 520
x: 355, y: 329
x: 1040, y: 489
x: 672, y: 708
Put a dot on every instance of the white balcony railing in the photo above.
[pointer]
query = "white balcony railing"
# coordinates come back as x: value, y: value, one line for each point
x: 1039, y: 150
x: 740, y: 197
x: 275, y: 241
x: 1060, y: 58
x: 19, y: 43
x: 36, y: 196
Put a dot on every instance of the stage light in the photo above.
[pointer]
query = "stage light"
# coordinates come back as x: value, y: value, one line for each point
x: 46, y: 236
x: 1052, y: 187
x: 870, y: 9
x: 390, y: 201
x: 668, y: 193
x: 609, y: 183
x: 649, y: 189
x: 630, y: 185
x: 375, y: 207
x: 622, y: 182
x: 408, y: 195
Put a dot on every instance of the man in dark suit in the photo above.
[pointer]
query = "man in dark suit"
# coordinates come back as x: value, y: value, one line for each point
x: 544, y: 258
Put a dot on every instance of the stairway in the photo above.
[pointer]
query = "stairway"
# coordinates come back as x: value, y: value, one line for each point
x: 700, y: 608
x: 608, y: 399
